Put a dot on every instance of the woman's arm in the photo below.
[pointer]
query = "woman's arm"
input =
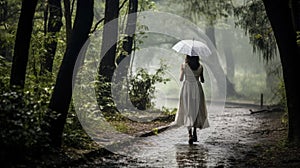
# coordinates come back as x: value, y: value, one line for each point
x: 202, y: 78
x: 181, y: 73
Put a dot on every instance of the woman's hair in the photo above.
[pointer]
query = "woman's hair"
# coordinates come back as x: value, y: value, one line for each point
x: 192, y: 61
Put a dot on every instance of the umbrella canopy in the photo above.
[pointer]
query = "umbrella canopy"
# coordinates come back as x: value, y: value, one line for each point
x: 192, y: 48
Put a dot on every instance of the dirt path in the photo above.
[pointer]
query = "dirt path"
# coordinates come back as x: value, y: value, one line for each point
x: 229, y: 139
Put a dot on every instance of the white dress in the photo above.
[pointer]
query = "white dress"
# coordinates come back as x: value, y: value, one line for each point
x: 192, y: 110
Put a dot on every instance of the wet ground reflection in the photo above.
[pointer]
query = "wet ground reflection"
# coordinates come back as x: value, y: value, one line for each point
x: 191, y: 155
x: 230, y: 131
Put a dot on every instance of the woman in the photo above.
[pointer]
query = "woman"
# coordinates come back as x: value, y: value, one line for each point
x: 192, y: 111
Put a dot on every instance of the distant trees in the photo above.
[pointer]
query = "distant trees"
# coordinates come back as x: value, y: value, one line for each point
x: 53, y: 23
x: 211, y: 11
x: 282, y: 33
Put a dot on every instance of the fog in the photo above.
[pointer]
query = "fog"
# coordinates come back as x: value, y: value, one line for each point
x: 246, y: 69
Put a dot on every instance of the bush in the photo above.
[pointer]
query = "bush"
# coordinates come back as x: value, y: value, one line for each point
x: 21, y: 116
x: 142, y: 87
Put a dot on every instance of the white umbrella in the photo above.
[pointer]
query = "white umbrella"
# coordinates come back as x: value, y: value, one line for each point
x: 192, y: 48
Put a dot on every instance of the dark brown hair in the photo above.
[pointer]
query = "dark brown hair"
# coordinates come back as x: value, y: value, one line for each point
x: 192, y: 61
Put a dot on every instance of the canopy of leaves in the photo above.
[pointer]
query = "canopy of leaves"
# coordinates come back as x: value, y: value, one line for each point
x: 252, y: 18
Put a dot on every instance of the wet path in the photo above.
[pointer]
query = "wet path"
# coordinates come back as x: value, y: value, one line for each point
x: 229, y: 131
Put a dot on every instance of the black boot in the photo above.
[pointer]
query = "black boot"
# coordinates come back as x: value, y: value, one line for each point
x: 190, y: 137
x: 195, y: 135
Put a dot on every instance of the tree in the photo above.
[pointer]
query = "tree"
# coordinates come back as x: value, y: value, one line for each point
x: 108, y: 53
x: 68, y: 18
x: 9, y: 13
x: 272, y: 25
x: 130, y: 30
x: 227, y: 35
x: 283, y: 24
x: 22, y: 43
x: 62, y: 93
x: 253, y: 19
x: 110, y: 39
x: 54, y: 25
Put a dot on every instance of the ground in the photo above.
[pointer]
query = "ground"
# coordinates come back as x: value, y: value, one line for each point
x: 235, y: 138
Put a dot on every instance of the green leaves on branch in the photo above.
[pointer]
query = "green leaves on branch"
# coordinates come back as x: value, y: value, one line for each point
x: 298, y: 38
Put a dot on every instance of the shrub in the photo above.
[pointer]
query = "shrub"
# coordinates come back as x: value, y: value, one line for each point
x: 142, y: 86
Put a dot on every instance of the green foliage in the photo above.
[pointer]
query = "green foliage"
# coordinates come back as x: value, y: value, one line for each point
x: 104, y: 99
x: 298, y: 38
x: 142, y: 86
x: 155, y: 131
x: 253, y: 19
x: 281, y: 93
x: 22, y: 112
x: 145, y: 5
x: 22, y: 117
x: 168, y: 111
x: 121, y: 127
x: 210, y: 11
x: 9, y: 12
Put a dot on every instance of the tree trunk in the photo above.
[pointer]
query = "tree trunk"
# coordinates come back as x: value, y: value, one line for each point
x: 22, y: 43
x: 281, y: 20
x: 110, y: 39
x: 127, y: 47
x: 61, y: 97
x: 210, y: 32
x: 230, y: 68
x: 130, y: 30
x: 54, y: 25
x: 68, y: 18
x: 46, y: 13
x: 108, y: 54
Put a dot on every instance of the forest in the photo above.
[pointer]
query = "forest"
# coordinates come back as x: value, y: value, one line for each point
x: 79, y: 76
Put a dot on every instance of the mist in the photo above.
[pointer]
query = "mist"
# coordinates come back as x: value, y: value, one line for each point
x: 250, y: 75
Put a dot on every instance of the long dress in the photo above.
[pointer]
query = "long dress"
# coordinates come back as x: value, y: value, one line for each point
x: 192, y: 110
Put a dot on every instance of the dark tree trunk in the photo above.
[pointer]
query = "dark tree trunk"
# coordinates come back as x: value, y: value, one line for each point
x: 22, y: 43
x: 110, y: 39
x: 296, y: 13
x: 281, y: 20
x: 54, y: 25
x: 68, y: 18
x: 108, y: 54
x: 130, y: 30
x: 61, y: 97
x: 46, y: 13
